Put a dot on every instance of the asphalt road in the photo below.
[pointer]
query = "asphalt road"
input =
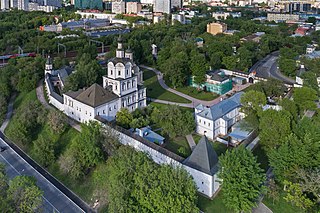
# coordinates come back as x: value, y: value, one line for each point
x: 53, y: 199
x: 268, y: 68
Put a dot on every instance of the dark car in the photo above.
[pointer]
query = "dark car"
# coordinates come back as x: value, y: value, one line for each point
x: 2, y: 148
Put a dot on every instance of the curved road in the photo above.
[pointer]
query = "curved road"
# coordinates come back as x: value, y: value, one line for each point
x: 194, y: 101
x: 268, y: 68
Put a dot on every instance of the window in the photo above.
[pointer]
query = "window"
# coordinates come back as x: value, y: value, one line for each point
x: 114, y: 107
x: 127, y: 72
x: 208, y: 124
x: 72, y: 113
x: 204, y: 122
x: 111, y: 73
x: 202, y: 182
x: 199, y: 120
x: 119, y: 72
x: 110, y: 108
x: 86, y: 112
x: 123, y: 104
x: 103, y: 112
x: 132, y: 83
x: 98, y: 113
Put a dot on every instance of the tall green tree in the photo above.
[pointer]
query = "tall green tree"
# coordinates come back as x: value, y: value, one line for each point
x: 274, y: 127
x: 293, y: 154
x: 24, y: 195
x: 44, y: 150
x: 135, y: 183
x: 85, y: 151
x: 242, y: 179
x: 124, y: 118
x: 198, y: 67
x: 305, y: 98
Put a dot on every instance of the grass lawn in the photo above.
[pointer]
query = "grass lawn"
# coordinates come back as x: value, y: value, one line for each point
x: 214, y: 205
x: 220, y: 148
x: 85, y: 187
x: 161, y: 106
x: 262, y: 157
x: 281, y: 205
x: 154, y: 90
x: 174, y: 144
x: 201, y: 95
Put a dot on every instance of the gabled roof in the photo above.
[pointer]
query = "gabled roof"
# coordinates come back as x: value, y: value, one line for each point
x: 94, y: 96
x: 203, y: 157
x: 220, y: 109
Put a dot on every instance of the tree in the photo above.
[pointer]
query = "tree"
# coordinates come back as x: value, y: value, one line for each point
x: 124, y: 118
x: 309, y: 181
x: 287, y: 66
x: 84, y: 152
x: 230, y: 62
x: 295, y: 195
x: 274, y: 127
x: 305, y: 98
x: 273, y: 191
x: 291, y: 107
x: 24, y: 194
x: 44, y: 150
x: 252, y: 103
x: 242, y: 179
x: 293, y: 154
x: 56, y: 121
x: 198, y: 67
x: 144, y: 183
x: 175, y: 122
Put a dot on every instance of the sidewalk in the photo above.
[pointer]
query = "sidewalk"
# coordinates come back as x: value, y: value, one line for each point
x: 191, y: 142
x: 194, y: 101
x: 9, y: 113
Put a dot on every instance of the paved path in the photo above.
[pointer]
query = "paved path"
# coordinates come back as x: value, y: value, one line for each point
x: 43, y: 101
x: 194, y: 101
x: 191, y: 142
x: 9, y: 113
x: 261, y: 209
x: 253, y: 144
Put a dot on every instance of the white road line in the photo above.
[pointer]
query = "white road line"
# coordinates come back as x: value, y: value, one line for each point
x: 20, y: 174
x: 43, y: 176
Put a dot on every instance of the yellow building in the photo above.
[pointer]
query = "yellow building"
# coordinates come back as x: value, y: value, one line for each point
x: 215, y: 28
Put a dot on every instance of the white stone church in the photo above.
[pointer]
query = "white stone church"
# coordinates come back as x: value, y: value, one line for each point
x: 122, y: 87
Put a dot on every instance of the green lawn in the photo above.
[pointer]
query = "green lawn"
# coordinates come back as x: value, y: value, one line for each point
x: 261, y: 157
x: 175, y: 143
x: 198, y: 94
x: 154, y: 90
x: 161, y: 106
x: 214, y: 205
x: 220, y: 148
x: 281, y: 205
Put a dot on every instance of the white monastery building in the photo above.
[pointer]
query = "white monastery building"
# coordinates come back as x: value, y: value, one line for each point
x: 122, y: 88
x: 217, y: 119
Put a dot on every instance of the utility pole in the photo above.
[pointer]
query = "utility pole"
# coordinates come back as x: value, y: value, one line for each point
x: 65, y: 49
x: 98, y: 42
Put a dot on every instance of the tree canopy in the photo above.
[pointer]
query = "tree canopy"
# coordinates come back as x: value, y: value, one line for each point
x: 136, y: 184
x: 242, y: 179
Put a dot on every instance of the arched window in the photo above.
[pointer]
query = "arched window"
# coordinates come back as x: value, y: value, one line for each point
x: 128, y: 84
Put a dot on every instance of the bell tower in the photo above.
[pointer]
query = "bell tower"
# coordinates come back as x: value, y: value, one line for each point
x: 120, y: 51
x: 48, y: 67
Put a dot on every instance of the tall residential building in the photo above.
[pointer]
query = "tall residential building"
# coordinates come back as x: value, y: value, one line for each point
x: 23, y: 5
x: 118, y: 7
x: 162, y: 6
x: 133, y: 7
x: 91, y: 4
x: 13, y: 3
x: 282, y: 17
x: 216, y: 28
x: 4, y: 4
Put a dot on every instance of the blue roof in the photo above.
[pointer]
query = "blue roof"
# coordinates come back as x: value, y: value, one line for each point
x: 222, y: 108
x: 239, y: 134
x: 150, y: 135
